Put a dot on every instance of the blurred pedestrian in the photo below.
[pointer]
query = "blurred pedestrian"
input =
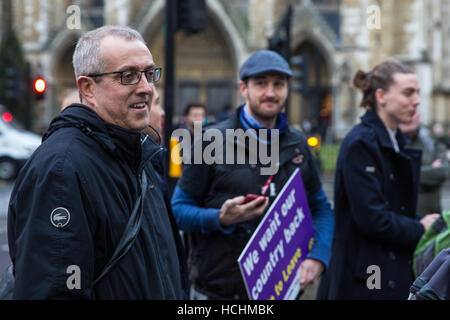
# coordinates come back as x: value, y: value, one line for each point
x: 209, y: 201
x: 84, y: 193
x: 194, y: 112
x: 376, y: 185
x: 437, y: 130
x: 68, y: 97
x: 227, y: 111
x: 155, y: 129
x: 434, y: 169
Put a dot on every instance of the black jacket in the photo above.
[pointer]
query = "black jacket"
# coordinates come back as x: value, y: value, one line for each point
x: 90, y: 168
x: 375, y: 215
x: 213, y: 256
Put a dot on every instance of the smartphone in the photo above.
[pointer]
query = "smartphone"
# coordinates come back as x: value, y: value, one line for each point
x: 250, y: 197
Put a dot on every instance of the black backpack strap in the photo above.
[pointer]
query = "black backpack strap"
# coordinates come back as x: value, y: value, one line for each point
x: 130, y: 233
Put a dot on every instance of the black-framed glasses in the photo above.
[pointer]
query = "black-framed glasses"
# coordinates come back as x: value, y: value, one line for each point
x: 131, y: 77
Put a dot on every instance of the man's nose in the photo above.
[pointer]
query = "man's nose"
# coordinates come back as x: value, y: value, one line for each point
x: 270, y: 90
x: 143, y: 86
x: 416, y: 99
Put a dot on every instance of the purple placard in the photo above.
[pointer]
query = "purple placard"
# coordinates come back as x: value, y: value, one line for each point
x: 270, y: 261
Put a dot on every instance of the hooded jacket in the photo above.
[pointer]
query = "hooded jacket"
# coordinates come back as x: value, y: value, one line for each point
x: 69, y: 208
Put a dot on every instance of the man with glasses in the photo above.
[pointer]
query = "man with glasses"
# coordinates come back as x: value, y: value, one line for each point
x: 73, y: 200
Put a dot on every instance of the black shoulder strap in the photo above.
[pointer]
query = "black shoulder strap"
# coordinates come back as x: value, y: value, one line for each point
x: 130, y: 233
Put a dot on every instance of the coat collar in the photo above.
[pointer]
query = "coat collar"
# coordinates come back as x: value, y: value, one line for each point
x: 288, y: 139
x: 372, y: 120
x: 235, y: 122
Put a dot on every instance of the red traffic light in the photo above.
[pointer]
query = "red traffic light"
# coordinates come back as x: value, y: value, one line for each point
x: 40, y: 85
x: 7, y: 117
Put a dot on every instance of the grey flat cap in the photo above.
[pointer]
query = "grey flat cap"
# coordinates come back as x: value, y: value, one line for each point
x: 264, y: 61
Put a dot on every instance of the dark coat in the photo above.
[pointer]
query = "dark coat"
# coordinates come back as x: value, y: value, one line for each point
x: 375, y: 215
x: 91, y: 168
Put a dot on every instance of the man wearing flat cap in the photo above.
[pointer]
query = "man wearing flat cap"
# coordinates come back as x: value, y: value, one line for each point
x: 209, y: 201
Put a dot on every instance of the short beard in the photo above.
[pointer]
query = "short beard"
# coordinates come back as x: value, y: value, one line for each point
x: 254, y: 109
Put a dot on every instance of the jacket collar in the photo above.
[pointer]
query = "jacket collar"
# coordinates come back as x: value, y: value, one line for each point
x: 288, y: 139
x: 234, y: 118
x: 371, y: 119
x: 127, y: 144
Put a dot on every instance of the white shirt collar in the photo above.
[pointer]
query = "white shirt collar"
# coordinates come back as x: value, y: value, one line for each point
x: 392, y: 134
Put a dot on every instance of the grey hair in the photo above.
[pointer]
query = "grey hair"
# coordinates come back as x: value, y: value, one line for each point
x: 87, y: 58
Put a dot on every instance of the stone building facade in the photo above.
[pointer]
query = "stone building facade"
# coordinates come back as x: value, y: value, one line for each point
x: 336, y: 37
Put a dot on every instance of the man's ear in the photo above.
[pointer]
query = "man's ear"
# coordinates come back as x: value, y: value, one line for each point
x: 243, y: 88
x: 86, y: 86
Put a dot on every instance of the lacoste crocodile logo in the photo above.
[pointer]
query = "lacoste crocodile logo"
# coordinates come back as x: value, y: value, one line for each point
x: 60, y: 217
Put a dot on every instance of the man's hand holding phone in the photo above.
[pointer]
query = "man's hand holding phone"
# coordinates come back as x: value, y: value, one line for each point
x: 250, y: 197
x: 236, y: 210
x: 241, y: 208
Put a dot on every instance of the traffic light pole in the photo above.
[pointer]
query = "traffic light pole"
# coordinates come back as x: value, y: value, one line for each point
x: 169, y: 73
x: 281, y: 41
x: 288, y: 17
x: 27, y: 97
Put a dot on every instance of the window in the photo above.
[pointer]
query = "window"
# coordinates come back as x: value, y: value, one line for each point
x: 188, y: 91
x: 219, y: 94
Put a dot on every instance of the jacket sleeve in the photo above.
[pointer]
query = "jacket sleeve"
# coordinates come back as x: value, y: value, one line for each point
x: 431, y: 177
x: 187, y: 199
x: 50, y: 262
x: 190, y: 217
x: 362, y: 175
x: 323, y: 223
